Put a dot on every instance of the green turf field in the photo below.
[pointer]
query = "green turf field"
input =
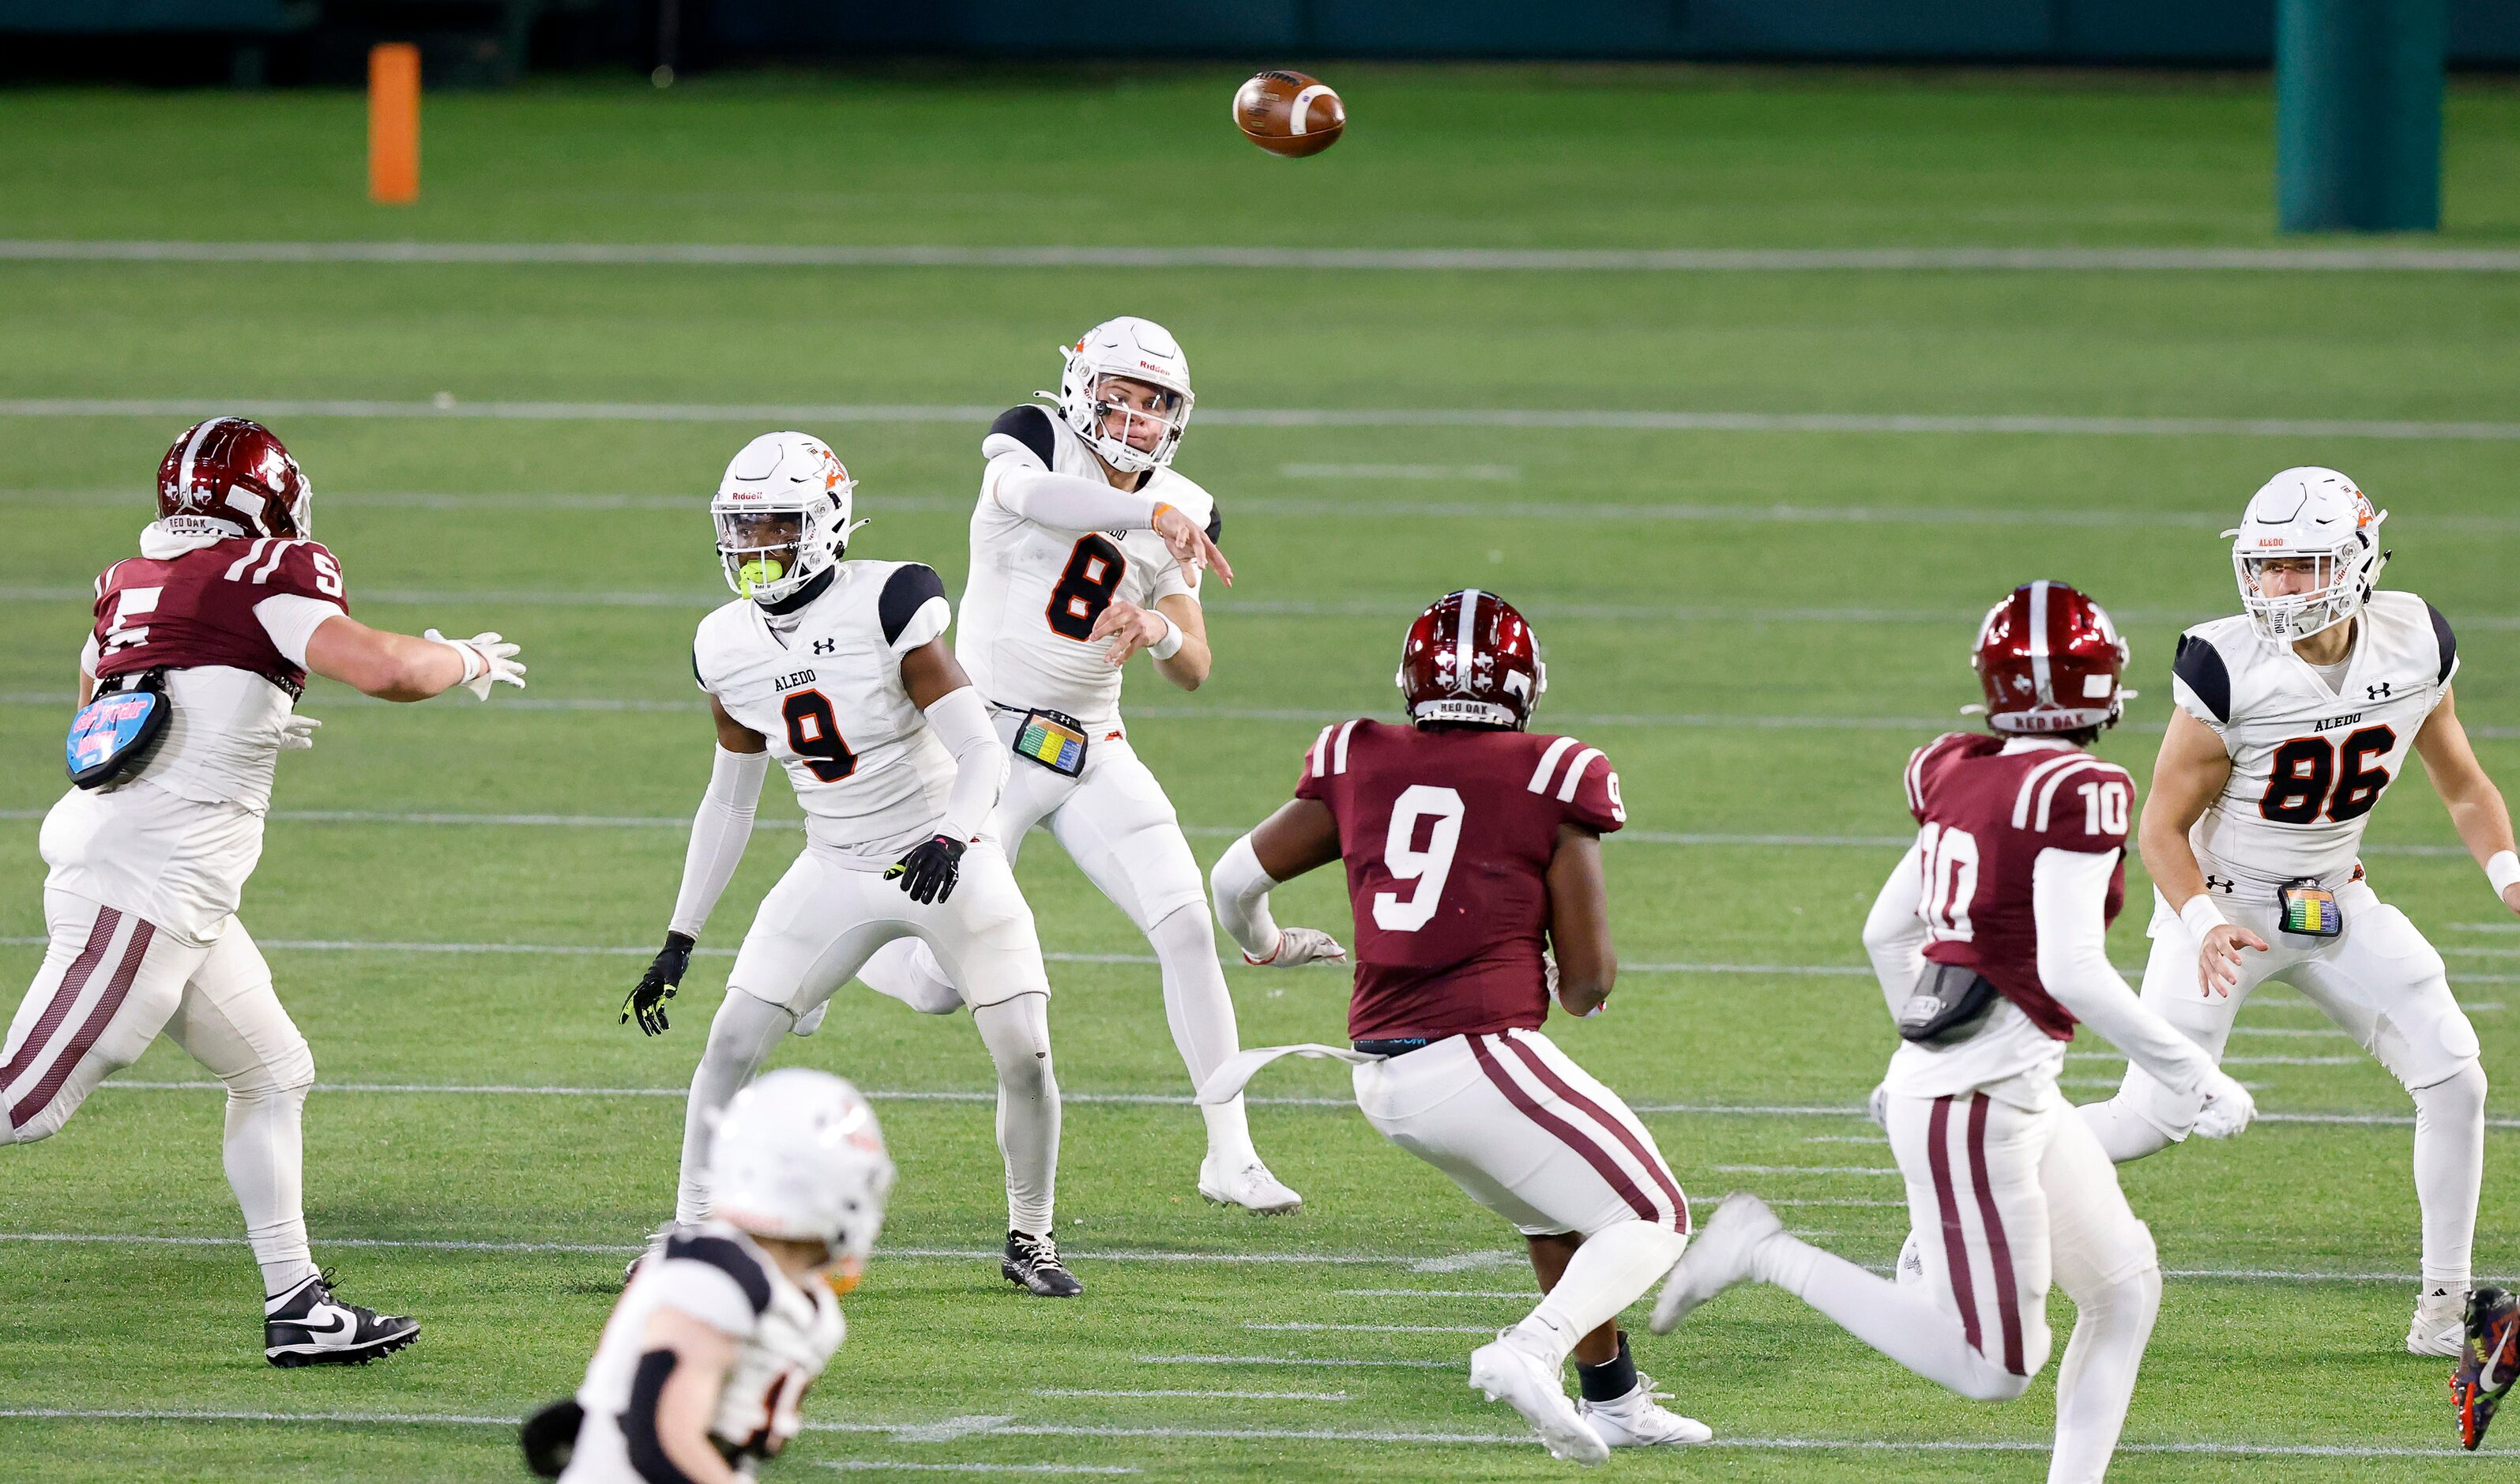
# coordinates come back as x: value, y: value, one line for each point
x: 1757, y: 625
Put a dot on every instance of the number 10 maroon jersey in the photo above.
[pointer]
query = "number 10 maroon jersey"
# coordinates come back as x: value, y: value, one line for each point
x: 1446, y: 836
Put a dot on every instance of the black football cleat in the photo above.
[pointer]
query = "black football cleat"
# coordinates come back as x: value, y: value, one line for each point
x: 2488, y: 1363
x: 1033, y: 1261
x: 308, y: 1326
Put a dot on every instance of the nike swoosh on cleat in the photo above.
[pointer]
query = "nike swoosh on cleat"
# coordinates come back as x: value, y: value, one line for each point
x: 343, y: 1322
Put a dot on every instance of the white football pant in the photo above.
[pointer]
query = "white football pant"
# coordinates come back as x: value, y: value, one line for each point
x: 2001, y: 1199
x: 816, y: 928
x: 2382, y: 984
x: 110, y: 983
x: 1534, y: 1138
x: 1116, y: 823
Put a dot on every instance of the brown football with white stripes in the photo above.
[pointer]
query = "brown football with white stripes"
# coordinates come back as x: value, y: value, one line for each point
x: 1290, y: 113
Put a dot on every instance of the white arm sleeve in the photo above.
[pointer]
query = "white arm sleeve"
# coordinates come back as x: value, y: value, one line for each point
x: 1894, y: 936
x: 1068, y: 502
x: 2068, y: 892
x: 1239, y: 889
x: 719, y: 833
x: 960, y: 721
x: 291, y: 619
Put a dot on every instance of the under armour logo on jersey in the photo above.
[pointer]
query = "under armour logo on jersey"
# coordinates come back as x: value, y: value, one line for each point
x: 826, y: 645
x: 2222, y: 883
x: 2379, y: 691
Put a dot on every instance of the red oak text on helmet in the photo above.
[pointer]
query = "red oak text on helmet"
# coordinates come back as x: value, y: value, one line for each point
x: 2049, y: 660
x: 230, y: 476
x: 1471, y: 658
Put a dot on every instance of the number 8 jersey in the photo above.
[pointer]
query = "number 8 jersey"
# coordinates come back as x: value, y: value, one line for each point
x: 2309, y: 760
x: 1035, y: 590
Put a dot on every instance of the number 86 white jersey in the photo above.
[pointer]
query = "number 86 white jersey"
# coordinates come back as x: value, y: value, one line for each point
x: 2307, y: 763
x: 823, y: 684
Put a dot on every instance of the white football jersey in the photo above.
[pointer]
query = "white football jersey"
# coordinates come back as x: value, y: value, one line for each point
x: 2307, y: 763
x: 1035, y: 590
x: 785, y: 1333
x: 823, y: 683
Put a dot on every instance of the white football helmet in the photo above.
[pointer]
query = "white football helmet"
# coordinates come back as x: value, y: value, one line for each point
x: 797, y: 1155
x: 1141, y: 350
x: 2314, y: 514
x: 784, y: 504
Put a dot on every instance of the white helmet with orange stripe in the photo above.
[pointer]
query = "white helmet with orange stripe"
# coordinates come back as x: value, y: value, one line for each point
x: 2317, y: 527
x: 1133, y: 428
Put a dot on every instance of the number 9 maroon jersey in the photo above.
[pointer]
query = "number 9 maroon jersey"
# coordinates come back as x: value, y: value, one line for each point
x: 1986, y: 808
x: 1446, y: 836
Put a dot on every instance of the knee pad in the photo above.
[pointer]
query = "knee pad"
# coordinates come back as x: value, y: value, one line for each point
x: 291, y: 1072
x: 2461, y: 1095
x: 1989, y: 1382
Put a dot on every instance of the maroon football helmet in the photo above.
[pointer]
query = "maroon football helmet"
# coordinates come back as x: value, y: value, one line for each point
x: 2050, y: 660
x: 1469, y: 658
x: 228, y: 477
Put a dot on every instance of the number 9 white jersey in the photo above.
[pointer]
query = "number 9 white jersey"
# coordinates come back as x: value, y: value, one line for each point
x: 823, y: 684
x: 2307, y: 763
x: 1035, y: 590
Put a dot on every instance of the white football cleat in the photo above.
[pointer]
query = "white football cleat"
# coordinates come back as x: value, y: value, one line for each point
x: 1251, y: 1187
x: 1638, y: 1419
x: 1717, y: 1258
x: 1504, y: 1372
x: 2439, y: 1326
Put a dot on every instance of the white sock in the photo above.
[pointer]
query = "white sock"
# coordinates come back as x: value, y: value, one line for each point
x: 1612, y: 1270
x: 1904, y: 1324
x: 264, y: 1152
x: 2096, y: 1380
x: 1016, y: 1032
x: 2121, y: 1131
x: 2449, y: 1170
x: 905, y: 969
x: 1200, y: 1010
x: 740, y: 1040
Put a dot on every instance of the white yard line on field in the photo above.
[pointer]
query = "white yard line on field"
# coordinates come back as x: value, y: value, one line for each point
x: 1939, y: 259
x: 1314, y: 1329
x: 1187, y: 1392
x: 1521, y: 1439
x: 888, y: 1465
x: 2016, y: 425
x: 1296, y: 1360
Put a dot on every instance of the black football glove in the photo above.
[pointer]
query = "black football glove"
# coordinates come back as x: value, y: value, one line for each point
x: 929, y: 872
x: 657, y: 985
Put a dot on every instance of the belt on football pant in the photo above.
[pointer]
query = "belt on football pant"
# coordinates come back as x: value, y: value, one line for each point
x: 1398, y: 1046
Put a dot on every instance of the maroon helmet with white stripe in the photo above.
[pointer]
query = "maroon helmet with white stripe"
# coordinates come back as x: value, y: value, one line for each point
x: 2050, y: 660
x: 228, y: 477
x: 1471, y: 658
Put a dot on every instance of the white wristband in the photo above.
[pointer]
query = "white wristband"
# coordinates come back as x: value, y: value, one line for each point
x: 1170, y: 644
x: 2201, y: 917
x: 2503, y: 869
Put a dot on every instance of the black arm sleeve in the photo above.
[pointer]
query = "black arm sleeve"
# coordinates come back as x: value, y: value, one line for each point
x: 905, y: 593
x: 2445, y: 640
x: 639, y: 1424
x: 2200, y: 664
x: 1029, y: 426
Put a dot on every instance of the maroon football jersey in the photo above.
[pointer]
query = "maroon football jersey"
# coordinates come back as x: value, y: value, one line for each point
x: 1446, y: 836
x: 1984, y: 815
x: 197, y: 608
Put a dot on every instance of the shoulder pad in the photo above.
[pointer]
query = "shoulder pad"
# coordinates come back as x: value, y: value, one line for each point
x: 1029, y: 426
x: 2199, y: 665
x: 912, y: 586
x: 2447, y: 642
x: 728, y: 1257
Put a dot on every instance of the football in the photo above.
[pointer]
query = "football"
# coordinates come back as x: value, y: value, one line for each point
x: 1288, y: 113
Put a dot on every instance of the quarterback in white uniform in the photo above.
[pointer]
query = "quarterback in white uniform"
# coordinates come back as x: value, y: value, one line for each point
x: 717, y: 1338
x: 839, y: 672
x: 2292, y: 719
x: 1087, y: 546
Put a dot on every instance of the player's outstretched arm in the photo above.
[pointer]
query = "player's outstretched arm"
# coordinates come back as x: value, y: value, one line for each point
x: 2069, y: 897
x: 392, y: 666
x: 1894, y: 934
x: 2187, y: 778
x: 1302, y: 835
x: 681, y: 1369
x: 1174, y: 632
x: 2476, y: 808
x: 1579, y: 922
x: 720, y: 830
x: 1073, y: 502
x: 959, y: 719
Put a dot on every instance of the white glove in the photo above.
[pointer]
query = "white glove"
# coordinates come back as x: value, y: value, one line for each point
x: 1300, y: 945
x: 485, y: 660
x: 2228, y: 1108
x: 297, y: 733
